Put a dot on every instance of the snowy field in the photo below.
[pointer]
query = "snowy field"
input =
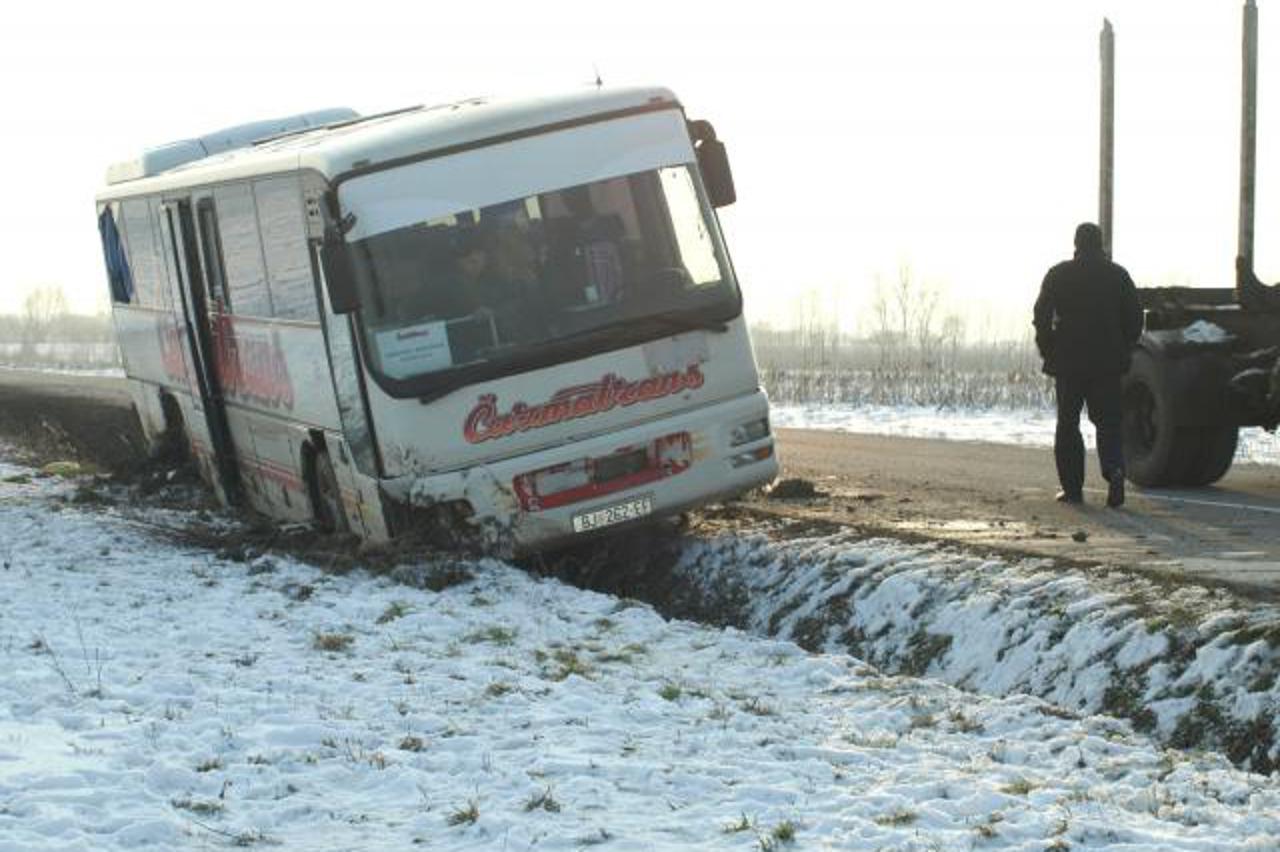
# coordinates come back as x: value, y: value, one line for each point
x: 159, y: 696
x: 89, y: 359
x: 1025, y: 427
x: 108, y: 372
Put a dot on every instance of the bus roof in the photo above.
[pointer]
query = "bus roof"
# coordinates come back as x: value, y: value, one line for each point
x: 349, y: 143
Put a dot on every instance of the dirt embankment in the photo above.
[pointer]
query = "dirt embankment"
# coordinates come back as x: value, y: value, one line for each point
x: 59, y: 416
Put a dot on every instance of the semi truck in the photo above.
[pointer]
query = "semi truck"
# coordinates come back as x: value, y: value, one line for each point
x: 1206, y: 363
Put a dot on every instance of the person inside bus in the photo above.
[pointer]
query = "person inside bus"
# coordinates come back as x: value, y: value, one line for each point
x: 470, y: 270
x: 492, y: 293
x: 515, y: 250
x: 587, y: 256
x: 421, y: 277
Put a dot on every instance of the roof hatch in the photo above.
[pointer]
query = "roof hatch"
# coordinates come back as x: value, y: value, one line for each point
x: 162, y: 158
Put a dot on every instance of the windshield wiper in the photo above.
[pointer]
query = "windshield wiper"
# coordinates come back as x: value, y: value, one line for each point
x: 669, y: 321
x: 683, y: 321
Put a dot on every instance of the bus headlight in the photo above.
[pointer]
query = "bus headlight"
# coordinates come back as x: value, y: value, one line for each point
x: 759, y: 454
x: 752, y: 430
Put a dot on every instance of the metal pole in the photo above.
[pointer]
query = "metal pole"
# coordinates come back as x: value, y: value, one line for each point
x: 1107, y: 140
x: 1248, y: 140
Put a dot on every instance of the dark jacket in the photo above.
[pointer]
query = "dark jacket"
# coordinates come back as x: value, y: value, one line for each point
x: 1087, y: 317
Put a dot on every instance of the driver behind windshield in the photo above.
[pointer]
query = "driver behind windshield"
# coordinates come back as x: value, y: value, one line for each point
x: 587, y: 256
x: 496, y: 289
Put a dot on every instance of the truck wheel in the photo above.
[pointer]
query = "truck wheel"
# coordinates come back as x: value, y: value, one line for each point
x: 1217, y: 451
x: 326, y: 497
x: 1156, y: 450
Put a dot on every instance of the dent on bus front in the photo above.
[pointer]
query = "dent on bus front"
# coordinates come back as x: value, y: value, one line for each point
x: 630, y: 476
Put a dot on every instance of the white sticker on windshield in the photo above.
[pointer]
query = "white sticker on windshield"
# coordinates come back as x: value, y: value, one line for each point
x: 415, y: 349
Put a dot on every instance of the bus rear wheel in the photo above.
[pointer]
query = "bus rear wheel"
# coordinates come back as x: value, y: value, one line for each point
x: 172, y: 445
x: 326, y: 496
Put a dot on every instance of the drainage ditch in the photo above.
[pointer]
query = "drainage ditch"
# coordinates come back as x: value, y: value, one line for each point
x: 1196, y: 668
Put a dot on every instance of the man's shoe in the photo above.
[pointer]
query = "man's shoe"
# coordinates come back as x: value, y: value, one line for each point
x: 1073, y: 497
x: 1115, y: 489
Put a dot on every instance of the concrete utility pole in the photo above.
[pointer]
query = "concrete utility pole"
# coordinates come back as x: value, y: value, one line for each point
x: 1107, y: 141
x: 1248, y: 138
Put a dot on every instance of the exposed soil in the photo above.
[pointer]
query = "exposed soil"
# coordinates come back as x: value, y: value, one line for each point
x: 55, y: 416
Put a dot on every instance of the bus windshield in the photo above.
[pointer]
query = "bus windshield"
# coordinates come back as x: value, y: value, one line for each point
x: 604, y: 265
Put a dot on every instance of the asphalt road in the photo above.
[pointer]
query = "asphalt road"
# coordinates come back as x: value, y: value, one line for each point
x: 1002, y: 497
x: 987, y: 496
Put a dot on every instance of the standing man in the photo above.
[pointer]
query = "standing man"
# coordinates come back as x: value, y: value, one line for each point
x: 1087, y: 319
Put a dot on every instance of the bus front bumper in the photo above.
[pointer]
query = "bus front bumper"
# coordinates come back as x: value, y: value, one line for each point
x: 700, y: 456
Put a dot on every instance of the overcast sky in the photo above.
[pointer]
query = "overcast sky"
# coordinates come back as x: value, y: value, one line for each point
x: 958, y: 138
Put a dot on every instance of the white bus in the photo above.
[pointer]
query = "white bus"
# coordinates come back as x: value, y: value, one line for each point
x: 518, y: 315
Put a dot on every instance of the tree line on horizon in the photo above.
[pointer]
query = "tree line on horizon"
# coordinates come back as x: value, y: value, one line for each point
x: 910, y: 350
x: 46, y: 333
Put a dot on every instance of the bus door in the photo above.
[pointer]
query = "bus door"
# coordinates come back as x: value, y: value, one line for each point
x: 185, y: 241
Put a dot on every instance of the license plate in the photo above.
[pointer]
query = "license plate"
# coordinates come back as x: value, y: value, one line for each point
x: 629, y: 510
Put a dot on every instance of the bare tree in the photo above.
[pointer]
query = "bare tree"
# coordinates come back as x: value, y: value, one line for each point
x: 904, y: 296
x: 816, y: 330
x: 906, y: 315
x: 953, y: 336
x: 925, y: 313
x: 883, y: 334
x: 41, y: 310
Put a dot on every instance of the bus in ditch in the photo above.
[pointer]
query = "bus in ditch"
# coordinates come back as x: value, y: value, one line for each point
x: 516, y: 317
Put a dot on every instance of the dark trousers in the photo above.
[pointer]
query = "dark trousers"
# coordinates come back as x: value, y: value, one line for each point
x: 1102, y: 394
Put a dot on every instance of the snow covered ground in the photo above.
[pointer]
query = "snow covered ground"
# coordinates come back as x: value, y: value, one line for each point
x: 1025, y: 427
x: 159, y: 696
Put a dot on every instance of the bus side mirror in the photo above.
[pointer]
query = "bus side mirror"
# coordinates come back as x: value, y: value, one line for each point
x: 339, y: 273
x: 713, y: 162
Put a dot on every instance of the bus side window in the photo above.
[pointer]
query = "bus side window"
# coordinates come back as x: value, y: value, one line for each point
x: 697, y: 250
x: 211, y: 251
x: 119, y: 277
x: 144, y: 254
x: 284, y: 245
x: 246, y: 274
